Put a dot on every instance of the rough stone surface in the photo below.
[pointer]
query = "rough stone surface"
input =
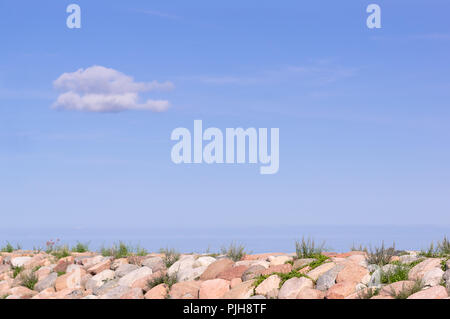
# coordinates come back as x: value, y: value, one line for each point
x: 319, y: 271
x: 133, y: 276
x: 418, y: 271
x: 46, y: 282
x: 157, y: 292
x: 214, y: 289
x: 215, y: 268
x: 125, y: 269
x: 270, y: 286
x: 433, y: 277
x: 328, y: 279
x: 293, y: 286
x: 341, y: 290
x: 185, y: 290
x: 437, y: 292
x: 154, y: 263
x: 310, y: 293
x: 242, y: 291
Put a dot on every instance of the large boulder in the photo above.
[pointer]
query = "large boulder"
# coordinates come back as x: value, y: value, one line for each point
x: 47, y: 282
x: 418, y: 271
x: 293, y: 286
x: 185, y: 290
x: 100, y: 279
x: 437, y: 292
x: 269, y: 287
x: 328, y: 279
x: 341, y: 290
x: 216, y: 268
x: 125, y: 269
x: 319, y: 271
x: 214, y: 289
x: 433, y: 277
x: 241, y: 291
x: 129, y: 279
x: 189, y: 274
x: 154, y: 263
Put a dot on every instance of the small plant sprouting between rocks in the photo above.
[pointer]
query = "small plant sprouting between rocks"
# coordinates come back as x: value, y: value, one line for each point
x: 442, y: 249
x: 8, y: 248
x: 80, y: 248
x: 368, y: 293
x: 406, y: 292
x: 234, y: 252
x: 308, y: 249
x: 17, y: 271
x: 320, y: 260
x: 171, y: 256
x: 29, y: 280
x: 380, y: 255
x: 283, y: 276
x: 163, y: 279
x: 359, y: 248
x: 399, y: 273
x: 117, y: 251
x: 61, y: 252
x: 141, y: 251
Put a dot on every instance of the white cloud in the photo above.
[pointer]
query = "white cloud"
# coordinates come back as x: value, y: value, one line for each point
x: 100, y: 89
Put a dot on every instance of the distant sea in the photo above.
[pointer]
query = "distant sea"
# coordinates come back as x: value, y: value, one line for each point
x: 255, y: 239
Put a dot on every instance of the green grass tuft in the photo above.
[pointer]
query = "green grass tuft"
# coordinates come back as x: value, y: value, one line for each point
x: 380, y: 255
x: 117, y: 251
x: 80, y: 248
x: 308, y: 249
x: 17, y: 271
x: 405, y: 292
x: 8, y: 248
x: 29, y: 280
x: 163, y: 279
x: 234, y: 252
x: 171, y: 256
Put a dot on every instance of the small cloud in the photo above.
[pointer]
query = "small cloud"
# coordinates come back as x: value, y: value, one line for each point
x: 100, y: 89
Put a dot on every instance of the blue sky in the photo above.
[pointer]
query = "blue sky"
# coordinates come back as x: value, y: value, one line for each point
x: 363, y: 114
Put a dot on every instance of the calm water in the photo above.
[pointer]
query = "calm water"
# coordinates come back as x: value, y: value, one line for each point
x: 261, y: 239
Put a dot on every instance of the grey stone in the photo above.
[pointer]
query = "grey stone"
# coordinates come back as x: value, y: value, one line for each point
x: 189, y: 274
x: 46, y: 282
x: 328, y: 279
x: 115, y: 293
x: 447, y: 276
x: 76, y: 294
x: 125, y: 269
x: 375, y: 279
x: 106, y: 287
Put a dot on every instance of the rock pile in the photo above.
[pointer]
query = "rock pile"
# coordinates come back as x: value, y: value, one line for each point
x: 89, y: 275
